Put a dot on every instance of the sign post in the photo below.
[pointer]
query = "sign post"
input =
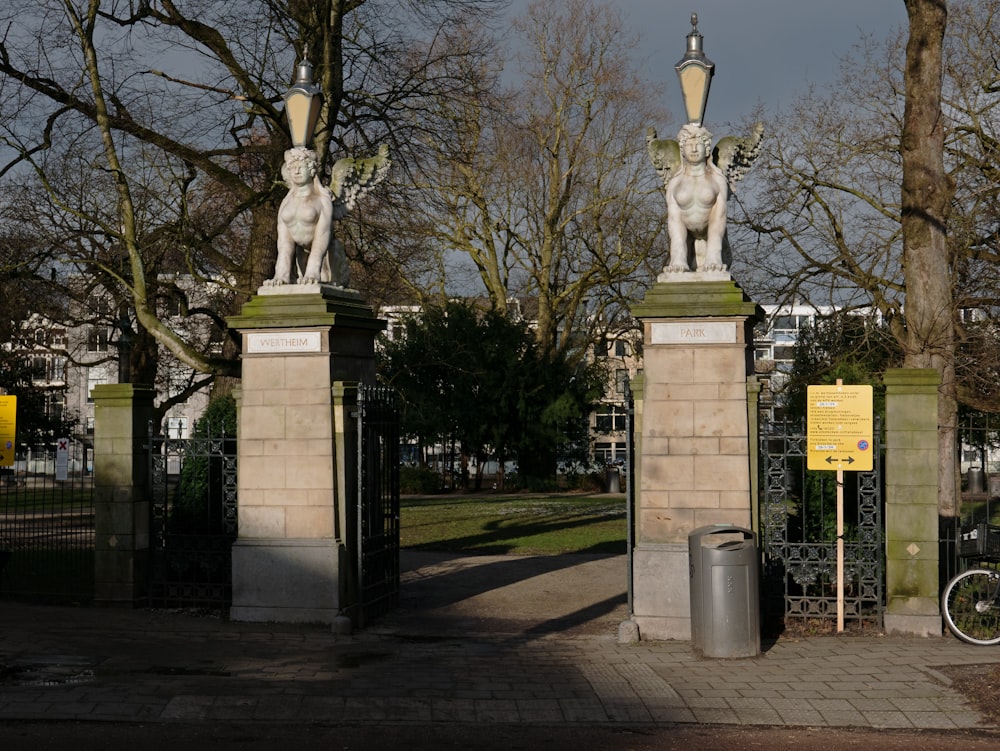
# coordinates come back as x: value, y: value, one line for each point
x: 840, y: 431
x: 8, y: 425
x: 62, y: 459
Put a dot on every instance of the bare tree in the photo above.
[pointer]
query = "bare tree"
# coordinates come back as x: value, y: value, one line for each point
x: 971, y: 104
x: 926, y: 199
x: 545, y: 190
x: 834, y: 225
x: 172, y: 115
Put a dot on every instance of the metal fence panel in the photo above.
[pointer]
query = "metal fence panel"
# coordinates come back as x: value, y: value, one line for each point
x: 799, y: 538
x: 47, y: 526
x: 979, y: 464
x: 193, y: 520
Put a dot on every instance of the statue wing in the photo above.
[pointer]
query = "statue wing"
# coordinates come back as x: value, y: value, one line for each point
x: 665, y: 154
x: 735, y: 155
x: 351, y: 179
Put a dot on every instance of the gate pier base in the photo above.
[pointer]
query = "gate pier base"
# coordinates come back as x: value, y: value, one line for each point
x: 694, y: 452
x: 286, y: 580
x: 304, y: 349
x: 661, y: 584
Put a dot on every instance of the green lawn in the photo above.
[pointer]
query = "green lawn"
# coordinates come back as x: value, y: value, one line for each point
x: 515, y: 524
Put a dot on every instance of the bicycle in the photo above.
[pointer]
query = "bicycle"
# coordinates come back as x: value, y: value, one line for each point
x: 971, y: 600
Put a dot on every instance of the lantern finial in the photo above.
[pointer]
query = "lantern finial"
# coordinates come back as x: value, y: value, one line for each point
x: 695, y: 72
x: 302, y: 105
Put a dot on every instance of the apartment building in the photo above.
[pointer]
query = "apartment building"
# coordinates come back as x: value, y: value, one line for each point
x: 69, y: 361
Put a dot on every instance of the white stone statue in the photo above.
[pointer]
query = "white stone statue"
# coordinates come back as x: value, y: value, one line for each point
x: 308, y: 253
x: 697, y: 181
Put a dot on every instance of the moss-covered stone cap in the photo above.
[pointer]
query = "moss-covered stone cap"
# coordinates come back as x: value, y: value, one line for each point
x: 696, y: 300
x: 322, y: 305
x: 912, y: 378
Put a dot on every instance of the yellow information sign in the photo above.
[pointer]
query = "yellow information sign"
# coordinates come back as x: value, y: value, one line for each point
x: 8, y: 423
x: 840, y: 428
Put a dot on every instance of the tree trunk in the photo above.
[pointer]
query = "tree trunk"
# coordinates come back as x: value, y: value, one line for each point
x: 926, y: 198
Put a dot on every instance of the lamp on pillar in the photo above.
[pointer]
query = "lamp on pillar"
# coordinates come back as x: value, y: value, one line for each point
x: 695, y: 73
x: 302, y: 105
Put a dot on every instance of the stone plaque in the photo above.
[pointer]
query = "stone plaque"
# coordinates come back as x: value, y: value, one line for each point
x: 693, y: 332
x: 276, y: 342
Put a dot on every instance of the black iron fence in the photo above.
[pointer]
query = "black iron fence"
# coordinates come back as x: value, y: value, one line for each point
x: 798, y: 519
x: 47, y: 524
x: 979, y: 501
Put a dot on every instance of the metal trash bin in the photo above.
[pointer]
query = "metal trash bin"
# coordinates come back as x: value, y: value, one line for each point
x: 613, y: 480
x: 976, y: 482
x: 725, y: 591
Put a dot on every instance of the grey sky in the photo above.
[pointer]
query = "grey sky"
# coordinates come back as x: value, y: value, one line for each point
x: 764, y: 51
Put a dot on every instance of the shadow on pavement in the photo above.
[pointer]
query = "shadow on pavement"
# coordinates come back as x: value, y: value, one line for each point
x: 446, y: 593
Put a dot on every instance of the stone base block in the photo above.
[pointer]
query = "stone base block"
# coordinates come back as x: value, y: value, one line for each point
x: 628, y: 632
x: 661, y: 597
x: 912, y: 625
x: 286, y: 581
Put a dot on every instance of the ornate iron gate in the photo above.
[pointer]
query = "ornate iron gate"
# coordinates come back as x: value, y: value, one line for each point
x: 193, y: 516
x: 799, y: 537
x: 378, y: 502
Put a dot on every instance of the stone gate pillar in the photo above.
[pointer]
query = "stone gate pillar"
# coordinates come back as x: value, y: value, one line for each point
x: 122, y: 412
x: 303, y: 345
x: 911, y: 501
x: 694, y: 445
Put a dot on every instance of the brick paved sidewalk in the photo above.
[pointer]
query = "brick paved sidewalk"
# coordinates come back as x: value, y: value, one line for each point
x: 95, y: 664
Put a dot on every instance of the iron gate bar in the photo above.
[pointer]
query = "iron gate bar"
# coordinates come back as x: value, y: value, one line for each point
x: 193, y: 524
x: 799, y: 551
x: 378, y: 502
x: 630, y: 491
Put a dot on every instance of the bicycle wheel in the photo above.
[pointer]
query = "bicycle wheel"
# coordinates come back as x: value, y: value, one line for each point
x: 970, y: 606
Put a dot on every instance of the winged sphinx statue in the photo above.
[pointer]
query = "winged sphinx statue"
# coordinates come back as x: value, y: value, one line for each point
x: 697, y: 181
x: 308, y: 253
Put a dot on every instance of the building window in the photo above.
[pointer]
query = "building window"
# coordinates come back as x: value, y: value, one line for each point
x: 611, y: 418
x: 96, y: 376
x: 176, y: 427
x: 99, y: 304
x: 56, y: 406
x: 97, y: 339
x: 784, y: 353
x: 609, y: 347
x: 58, y: 338
x: 58, y: 369
x: 609, y: 452
x: 39, y: 368
x: 603, y: 453
x: 621, y: 380
x: 173, y: 304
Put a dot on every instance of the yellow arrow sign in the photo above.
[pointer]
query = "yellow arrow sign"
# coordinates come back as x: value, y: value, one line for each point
x: 8, y: 423
x: 840, y: 428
